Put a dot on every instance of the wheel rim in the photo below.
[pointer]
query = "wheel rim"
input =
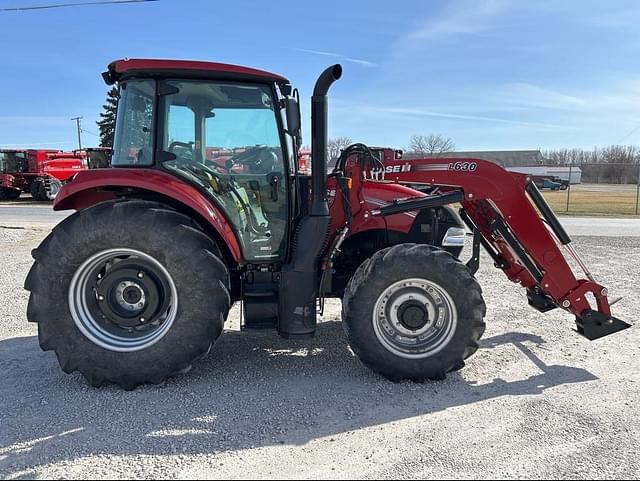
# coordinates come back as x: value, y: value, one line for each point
x: 123, y: 300
x: 415, y: 318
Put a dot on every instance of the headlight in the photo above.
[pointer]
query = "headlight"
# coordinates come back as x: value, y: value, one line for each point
x: 454, y: 237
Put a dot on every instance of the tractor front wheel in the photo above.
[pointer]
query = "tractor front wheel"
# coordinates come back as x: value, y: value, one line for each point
x: 128, y: 292
x: 413, y: 312
x: 9, y: 194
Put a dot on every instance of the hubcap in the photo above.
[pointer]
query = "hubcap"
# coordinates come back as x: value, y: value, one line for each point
x: 415, y: 318
x: 413, y: 315
x: 123, y: 300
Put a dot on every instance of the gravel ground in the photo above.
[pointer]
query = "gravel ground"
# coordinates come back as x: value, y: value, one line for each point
x: 536, y: 401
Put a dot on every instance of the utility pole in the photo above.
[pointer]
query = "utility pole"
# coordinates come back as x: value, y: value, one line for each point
x: 569, y: 186
x: 638, y: 190
x: 78, y: 119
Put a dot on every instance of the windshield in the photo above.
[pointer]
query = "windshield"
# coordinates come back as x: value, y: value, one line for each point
x: 13, y: 162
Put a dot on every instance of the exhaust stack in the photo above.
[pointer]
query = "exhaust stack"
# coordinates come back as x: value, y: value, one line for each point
x: 299, y: 280
x: 319, y: 138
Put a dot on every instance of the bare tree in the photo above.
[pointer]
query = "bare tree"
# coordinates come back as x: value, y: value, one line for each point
x: 336, y: 146
x: 432, y: 144
x: 613, y: 164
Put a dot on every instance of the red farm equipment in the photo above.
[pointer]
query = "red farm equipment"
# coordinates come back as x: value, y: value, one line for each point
x: 12, y: 164
x: 205, y: 205
x: 42, y: 173
x: 97, y: 157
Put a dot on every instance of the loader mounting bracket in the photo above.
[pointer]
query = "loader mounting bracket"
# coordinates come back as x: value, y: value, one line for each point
x: 540, y: 301
x: 594, y: 325
x: 474, y: 263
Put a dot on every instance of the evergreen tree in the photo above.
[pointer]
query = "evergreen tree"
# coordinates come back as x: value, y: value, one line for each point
x: 108, y: 123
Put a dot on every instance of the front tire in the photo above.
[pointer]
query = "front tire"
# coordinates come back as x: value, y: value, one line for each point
x: 9, y: 194
x: 128, y: 292
x: 413, y: 312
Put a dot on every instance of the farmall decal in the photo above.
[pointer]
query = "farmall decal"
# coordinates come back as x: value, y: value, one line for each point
x: 455, y: 166
x: 464, y: 166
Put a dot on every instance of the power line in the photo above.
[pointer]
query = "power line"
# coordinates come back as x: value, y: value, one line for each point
x: 79, y: 126
x: 629, y: 134
x: 76, y: 4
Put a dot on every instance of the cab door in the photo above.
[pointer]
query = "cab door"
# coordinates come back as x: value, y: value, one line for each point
x: 225, y: 137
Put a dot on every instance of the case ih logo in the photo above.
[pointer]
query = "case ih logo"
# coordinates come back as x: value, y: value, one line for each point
x: 331, y: 196
x: 378, y: 174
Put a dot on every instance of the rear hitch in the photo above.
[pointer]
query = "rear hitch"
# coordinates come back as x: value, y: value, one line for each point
x: 594, y: 325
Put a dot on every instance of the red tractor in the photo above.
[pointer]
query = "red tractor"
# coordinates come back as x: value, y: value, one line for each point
x: 39, y: 172
x: 96, y: 157
x: 205, y: 205
x: 12, y: 164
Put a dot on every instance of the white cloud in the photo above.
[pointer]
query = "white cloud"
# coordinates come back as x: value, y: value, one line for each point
x: 529, y: 95
x: 461, y: 17
x: 620, y: 98
x: 34, y: 119
x: 618, y: 17
x: 366, y: 63
x: 365, y: 109
x: 25, y: 145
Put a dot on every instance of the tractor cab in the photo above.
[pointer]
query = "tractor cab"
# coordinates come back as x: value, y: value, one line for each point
x: 13, y: 161
x: 97, y: 157
x: 224, y: 133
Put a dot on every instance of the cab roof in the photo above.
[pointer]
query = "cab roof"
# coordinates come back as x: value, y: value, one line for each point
x: 121, y: 69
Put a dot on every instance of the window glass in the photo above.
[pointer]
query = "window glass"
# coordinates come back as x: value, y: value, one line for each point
x: 225, y: 137
x: 133, y: 142
x: 13, y: 162
x: 181, y: 125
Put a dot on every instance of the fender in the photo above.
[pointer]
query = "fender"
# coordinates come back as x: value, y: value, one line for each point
x: 93, y: 186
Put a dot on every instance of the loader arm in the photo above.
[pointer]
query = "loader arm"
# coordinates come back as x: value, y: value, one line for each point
x: 525, y: 242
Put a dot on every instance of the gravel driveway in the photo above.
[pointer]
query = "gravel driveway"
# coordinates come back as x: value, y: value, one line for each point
x: 536, y: 401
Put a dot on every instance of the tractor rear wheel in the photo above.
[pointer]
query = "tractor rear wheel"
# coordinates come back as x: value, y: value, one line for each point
x: 414, y: 312
x: 128, y: 292
x: 36, y: 189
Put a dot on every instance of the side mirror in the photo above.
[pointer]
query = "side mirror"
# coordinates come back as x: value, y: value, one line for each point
x: 294, y: 118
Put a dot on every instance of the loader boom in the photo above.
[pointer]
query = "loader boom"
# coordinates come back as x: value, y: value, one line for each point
x: 525, y: 242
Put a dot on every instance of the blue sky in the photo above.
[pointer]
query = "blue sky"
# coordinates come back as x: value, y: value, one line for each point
x: 492, y: 74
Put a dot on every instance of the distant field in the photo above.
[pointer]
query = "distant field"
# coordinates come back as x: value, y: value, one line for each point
x: 594, y: 199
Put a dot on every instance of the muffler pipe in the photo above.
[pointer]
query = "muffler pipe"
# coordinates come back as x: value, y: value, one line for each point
x: 319, y: 138
x: 299, y: 279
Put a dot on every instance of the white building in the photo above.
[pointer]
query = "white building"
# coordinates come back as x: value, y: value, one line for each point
x: 573, y: 174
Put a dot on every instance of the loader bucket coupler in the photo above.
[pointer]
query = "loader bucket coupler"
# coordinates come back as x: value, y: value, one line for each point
x: 595, y: 325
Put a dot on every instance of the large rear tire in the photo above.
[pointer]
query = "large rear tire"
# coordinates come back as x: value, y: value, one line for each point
x: 36, y: 189
x: 128, y: 292
x: 414, y: 312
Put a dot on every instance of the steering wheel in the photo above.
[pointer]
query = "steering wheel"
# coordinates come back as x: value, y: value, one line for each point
x: 259, y: 160
x: 187, y: 148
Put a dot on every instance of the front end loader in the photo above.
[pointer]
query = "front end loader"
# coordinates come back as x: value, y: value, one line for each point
x: 205, y: 204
